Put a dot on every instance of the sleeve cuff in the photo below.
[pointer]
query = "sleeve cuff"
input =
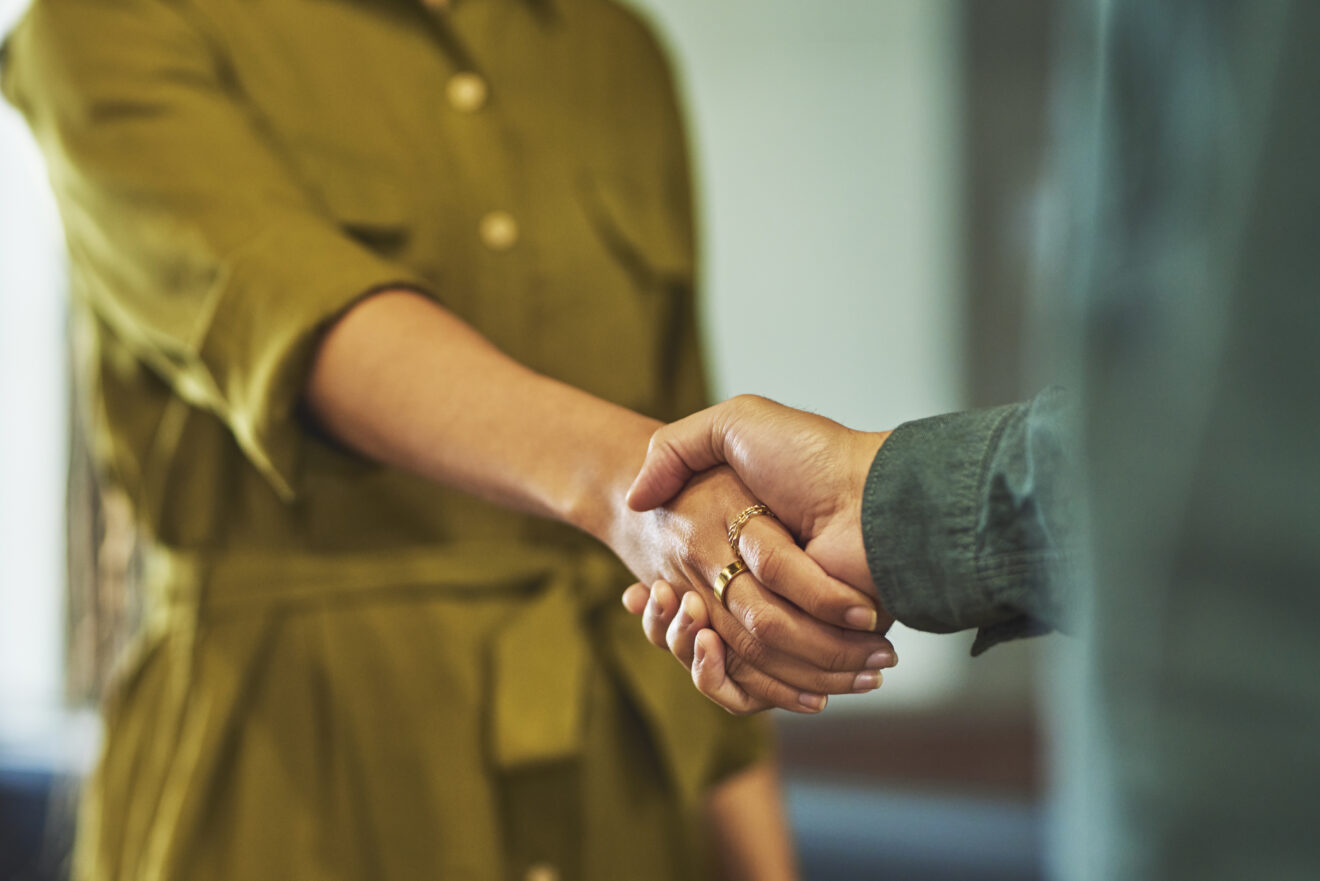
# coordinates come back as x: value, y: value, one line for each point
x: 269, y: 317
x: 921, y: 513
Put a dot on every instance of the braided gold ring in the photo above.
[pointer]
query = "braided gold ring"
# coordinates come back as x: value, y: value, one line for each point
x: 727, y: 574
x: 736, y: 527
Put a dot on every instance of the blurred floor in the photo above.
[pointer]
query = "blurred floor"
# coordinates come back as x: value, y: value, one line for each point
x: 845, y: 832
x: 33, y: 843
x: 862, y: 833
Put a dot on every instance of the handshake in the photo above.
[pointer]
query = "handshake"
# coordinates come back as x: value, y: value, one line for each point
x: 794, y: 616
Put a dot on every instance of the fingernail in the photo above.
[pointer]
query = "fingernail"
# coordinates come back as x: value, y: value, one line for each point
x: 812, y: 701
x: 700, y: 652
x: 868, y: 681
x: 684, y: 619
x: 861, y: 617
x: 881, y: 658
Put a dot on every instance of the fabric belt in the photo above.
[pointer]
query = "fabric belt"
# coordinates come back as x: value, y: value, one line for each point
x: 540, y: 656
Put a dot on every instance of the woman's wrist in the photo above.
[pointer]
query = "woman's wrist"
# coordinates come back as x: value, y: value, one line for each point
x: 597, y: 504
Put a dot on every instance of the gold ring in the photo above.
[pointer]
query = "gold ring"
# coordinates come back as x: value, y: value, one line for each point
x: 736, y: 527
x: 727, y: 574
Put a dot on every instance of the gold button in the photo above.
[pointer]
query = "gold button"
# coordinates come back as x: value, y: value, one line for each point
x: 498, y: 230
x: 466, y: 92
x: 542, y: 872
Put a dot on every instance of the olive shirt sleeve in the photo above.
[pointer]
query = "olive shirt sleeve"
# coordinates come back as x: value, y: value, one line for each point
x: 192, y: 240
x: 969, y: 520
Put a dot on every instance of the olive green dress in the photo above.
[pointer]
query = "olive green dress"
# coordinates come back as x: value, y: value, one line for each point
x: 348, y: 672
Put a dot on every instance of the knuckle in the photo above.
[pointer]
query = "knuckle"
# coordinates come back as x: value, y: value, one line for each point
x: 771, y: 560
x: 735, y: 663
x: 744, y: 663
x: 843, y: 659
x: 763, y: 625
x: 743, y: 401
x: 749, y: 401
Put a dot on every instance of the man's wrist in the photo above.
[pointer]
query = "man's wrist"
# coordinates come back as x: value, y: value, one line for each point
x: 866, y: 446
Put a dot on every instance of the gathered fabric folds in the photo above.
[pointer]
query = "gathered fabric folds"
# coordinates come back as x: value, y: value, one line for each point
x: 347, y: 671
x: 402, y: 716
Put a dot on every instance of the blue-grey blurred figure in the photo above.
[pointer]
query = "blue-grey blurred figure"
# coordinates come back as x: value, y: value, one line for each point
x: 1179, y: 301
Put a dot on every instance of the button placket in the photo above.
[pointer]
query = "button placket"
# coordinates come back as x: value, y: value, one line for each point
x: 498, y: 230
x: 467, y: 91
x: 541, y: 872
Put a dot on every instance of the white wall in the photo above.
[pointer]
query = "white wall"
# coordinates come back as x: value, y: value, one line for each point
x: 828, y: 153
x: 33, y: 408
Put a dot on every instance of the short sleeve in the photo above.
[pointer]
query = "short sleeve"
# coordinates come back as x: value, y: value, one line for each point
x: 746, y: 742
x: 191, y: 239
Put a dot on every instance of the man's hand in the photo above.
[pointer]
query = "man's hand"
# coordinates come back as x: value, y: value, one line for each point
x: 808, y: 469
x: 811, y: 472
x: 778, y: 654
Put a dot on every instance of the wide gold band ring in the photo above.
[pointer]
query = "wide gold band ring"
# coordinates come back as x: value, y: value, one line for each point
x: 727, y: 574
x: 736, y: 527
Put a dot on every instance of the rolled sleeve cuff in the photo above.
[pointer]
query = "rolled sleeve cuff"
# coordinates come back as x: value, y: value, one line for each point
x: 920, y: 513
x: 282, y: 291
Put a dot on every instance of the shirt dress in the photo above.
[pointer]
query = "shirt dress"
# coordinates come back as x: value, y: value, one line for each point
x: 347, y: 671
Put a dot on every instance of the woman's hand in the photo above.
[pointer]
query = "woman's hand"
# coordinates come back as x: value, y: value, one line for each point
x: 526, y: 441
x: 683, y: 625
x: 778, y: 655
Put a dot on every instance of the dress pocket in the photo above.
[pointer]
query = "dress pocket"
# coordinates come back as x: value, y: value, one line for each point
x: 641, y: 232
x: 365, y: 195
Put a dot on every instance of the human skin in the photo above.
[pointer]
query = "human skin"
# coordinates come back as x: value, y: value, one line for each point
x: 749, y: 832
x: 404, y: 381
x: 809, y: 470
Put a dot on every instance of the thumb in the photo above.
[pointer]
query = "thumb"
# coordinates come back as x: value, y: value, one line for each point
x: 676, y: 452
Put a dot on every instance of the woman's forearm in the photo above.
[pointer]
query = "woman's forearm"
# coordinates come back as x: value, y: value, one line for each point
x: 749, y: 833
x: 404, y: 381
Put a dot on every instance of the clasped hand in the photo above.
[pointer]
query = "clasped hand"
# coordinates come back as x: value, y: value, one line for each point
x: 804, y: 622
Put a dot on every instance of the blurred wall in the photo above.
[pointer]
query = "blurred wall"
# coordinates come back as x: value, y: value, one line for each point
x: 33, y: 410
x: 829, y: 155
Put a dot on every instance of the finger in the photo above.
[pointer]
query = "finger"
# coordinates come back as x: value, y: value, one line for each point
x: 735, y: 685
x: 676, y: 452
x: 778, y: 637
x: 636, y: 597
x: 711, y: 679
x: 682, y: 633
x: 783, y: 567
x: 659, y: 612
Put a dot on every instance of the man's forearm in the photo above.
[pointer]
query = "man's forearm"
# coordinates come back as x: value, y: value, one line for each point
x: 970, y: 522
